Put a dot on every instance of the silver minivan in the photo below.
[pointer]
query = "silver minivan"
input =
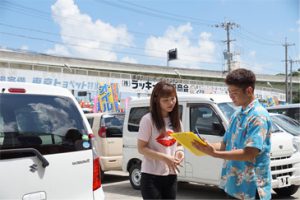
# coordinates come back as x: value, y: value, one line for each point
x: 46, y: 145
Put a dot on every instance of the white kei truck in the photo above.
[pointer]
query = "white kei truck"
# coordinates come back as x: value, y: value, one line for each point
x: 209, y: 115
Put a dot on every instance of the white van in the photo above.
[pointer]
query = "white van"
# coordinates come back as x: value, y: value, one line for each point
x: 46, y: 145
x: 209, y: 115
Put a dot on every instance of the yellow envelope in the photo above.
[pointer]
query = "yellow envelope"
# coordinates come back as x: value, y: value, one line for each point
x: 186, y: 139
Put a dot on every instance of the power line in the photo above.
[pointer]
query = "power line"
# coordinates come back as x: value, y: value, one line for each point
x: 98, y: 41
x: 42, y: 15
x: 197, y: 20
x: 150, y: 12
x: 261, y: 37
x: 255, y: 40
x: 142, y: 10
x: 102, y: 49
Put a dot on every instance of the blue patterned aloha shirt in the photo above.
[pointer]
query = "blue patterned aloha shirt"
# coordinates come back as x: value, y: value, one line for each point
x: 248, y: 128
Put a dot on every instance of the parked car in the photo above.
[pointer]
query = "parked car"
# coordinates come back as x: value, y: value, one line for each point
x: 209, y: 115
x: 290, y: 110
x: 108, y: 131
x: 46, y: 145
x: 289, y: 125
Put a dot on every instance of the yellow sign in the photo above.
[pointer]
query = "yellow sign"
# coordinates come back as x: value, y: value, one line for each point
x: 186, y: 139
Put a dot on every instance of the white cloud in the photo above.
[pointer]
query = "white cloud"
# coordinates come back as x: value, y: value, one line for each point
x: 4, y: 48
x: 252, y: 53
x: 297, y: 29
x: 24, y: 48
x: 127, y: 59
x: 83, y: 37
x: 257, y: 68
x: 59, y: 50
x: 190, y: 53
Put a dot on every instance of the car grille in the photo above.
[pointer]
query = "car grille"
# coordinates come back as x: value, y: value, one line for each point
x: 281, y: 167
x: 280, y: 158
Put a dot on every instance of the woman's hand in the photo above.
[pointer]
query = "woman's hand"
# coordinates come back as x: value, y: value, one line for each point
x: 172, y: 163
x: 179, y: 155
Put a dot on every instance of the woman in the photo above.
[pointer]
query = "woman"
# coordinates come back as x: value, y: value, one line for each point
x: 162, y: 155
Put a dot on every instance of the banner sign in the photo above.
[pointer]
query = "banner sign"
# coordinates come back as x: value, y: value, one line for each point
x: 109, y: 90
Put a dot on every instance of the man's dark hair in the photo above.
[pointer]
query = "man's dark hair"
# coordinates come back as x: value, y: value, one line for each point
x: 241, y: 78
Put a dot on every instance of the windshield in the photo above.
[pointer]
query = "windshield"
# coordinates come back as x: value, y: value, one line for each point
x: 286, y: 123
x: 275, y: 128
x: 228, y: 109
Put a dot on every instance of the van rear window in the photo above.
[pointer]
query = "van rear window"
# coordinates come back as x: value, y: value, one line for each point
x: 114, y: 124
x: 50, y: 124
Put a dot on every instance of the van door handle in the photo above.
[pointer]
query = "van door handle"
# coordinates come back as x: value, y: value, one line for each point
x: 35, y: 196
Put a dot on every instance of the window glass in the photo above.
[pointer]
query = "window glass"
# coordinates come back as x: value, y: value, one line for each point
x: 275, y: 128
x: 228, y: 109
x: 1, y: 130
x: 205, y: 121
x: 50, y: 124
x: 113, y: 120
x: 293, y: 111
x: 286, y: 123
x: 113, y: 124
x: 136, y: 115
x: 91, y: 121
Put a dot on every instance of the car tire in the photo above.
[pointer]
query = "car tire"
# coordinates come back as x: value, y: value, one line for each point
x: 286, y: 191
x: 135, y: 176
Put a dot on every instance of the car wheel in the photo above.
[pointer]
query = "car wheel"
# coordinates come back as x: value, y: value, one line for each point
x: 135, y: 176
x: 286, y: 191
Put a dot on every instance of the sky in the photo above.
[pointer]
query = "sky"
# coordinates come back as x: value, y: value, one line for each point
x: 143, y: 31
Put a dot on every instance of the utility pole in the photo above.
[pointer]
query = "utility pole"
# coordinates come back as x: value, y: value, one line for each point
x: 227, y: 26
x: 286, y: 69
x: 291, y: 81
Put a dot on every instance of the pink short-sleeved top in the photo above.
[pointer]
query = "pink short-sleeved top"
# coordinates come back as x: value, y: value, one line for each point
x: 157, y: 141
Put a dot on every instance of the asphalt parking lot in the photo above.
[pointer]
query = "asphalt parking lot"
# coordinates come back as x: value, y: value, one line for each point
x: 117, y: 186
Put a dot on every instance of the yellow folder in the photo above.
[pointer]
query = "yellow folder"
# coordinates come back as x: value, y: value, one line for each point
x: 186, y: 139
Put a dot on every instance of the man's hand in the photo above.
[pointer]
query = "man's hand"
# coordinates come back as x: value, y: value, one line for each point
x: 207, y: 149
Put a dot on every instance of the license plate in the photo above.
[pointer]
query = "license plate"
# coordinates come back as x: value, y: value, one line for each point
x: 284, y: 181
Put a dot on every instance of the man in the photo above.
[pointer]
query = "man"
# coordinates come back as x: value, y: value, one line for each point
x: 246, y: 144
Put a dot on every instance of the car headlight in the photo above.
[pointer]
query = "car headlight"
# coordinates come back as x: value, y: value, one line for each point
x: 296, y: 143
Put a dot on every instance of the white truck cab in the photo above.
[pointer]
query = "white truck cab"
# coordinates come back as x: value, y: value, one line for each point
x: 209, y: 115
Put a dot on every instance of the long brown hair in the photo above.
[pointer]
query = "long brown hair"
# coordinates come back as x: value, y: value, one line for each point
x: 163, y: 89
